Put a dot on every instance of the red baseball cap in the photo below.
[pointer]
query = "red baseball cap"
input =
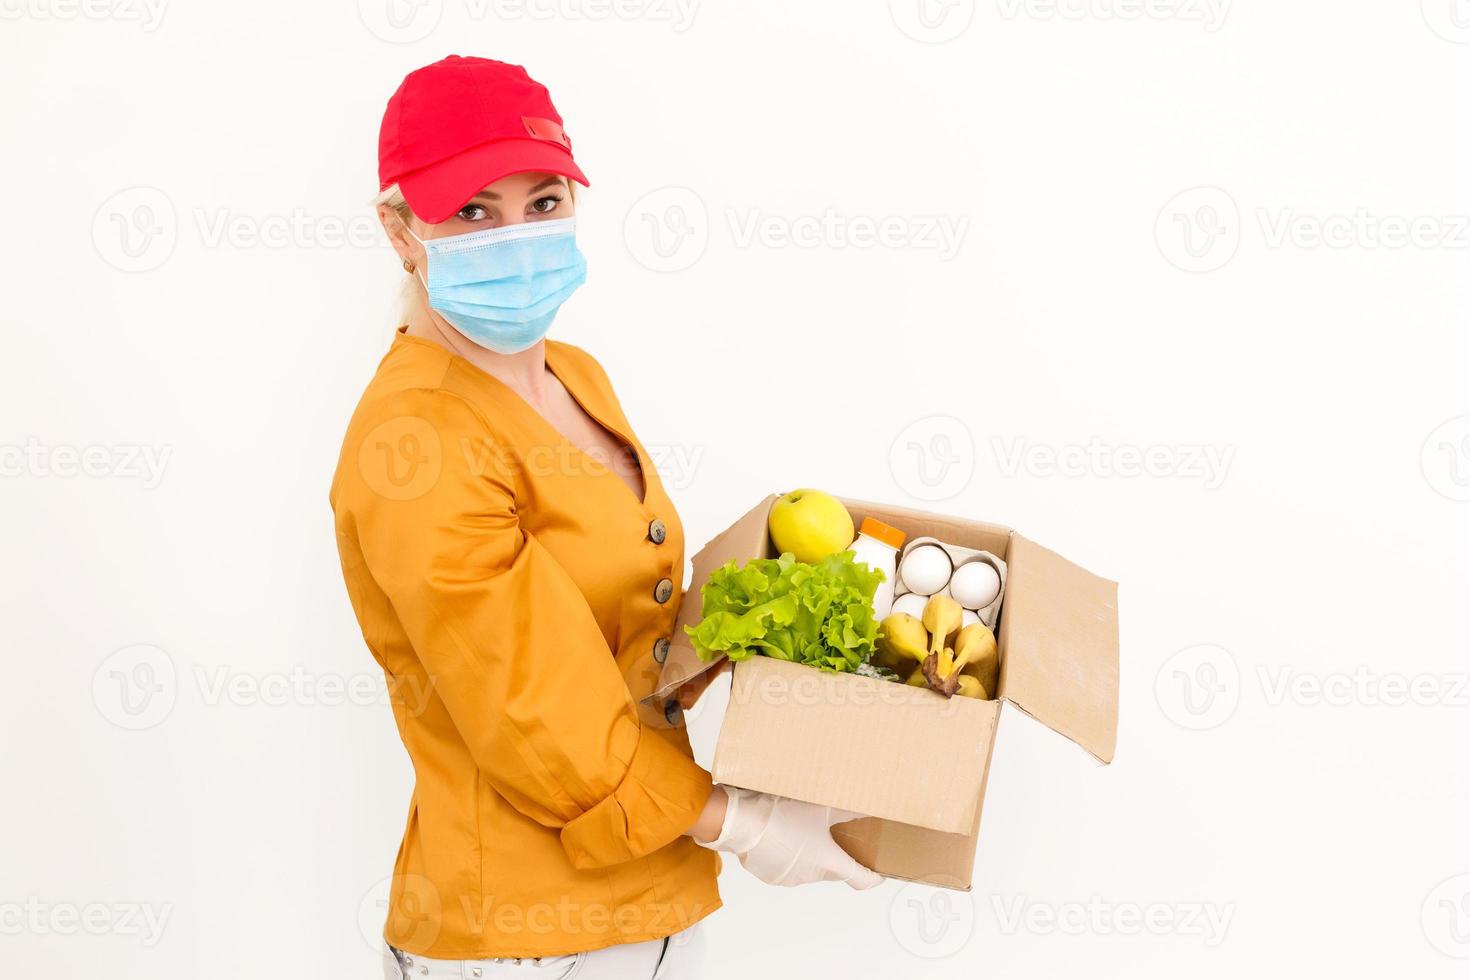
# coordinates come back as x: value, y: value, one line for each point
x: 462, y: 123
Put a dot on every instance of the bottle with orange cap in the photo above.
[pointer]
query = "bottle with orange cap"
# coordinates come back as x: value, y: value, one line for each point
x: 877, y: 545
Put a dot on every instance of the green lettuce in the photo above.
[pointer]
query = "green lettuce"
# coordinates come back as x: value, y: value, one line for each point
x: 816, y: 613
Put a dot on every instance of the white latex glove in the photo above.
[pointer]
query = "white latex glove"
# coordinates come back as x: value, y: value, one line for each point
x: 788, y: 842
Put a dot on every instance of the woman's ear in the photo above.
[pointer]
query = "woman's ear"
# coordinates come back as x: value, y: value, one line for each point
x: 398, y: 236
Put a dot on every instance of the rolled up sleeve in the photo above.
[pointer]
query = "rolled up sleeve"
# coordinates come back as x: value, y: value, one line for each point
x: 661, y: 795
x: 513, y: 650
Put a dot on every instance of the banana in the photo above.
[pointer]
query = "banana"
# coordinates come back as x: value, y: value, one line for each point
x: 942, y: 616
x: 902, y: 643
x: 921, y: 649
x: 939, y: 670
x: 975, y: 655
x: 970, y: 687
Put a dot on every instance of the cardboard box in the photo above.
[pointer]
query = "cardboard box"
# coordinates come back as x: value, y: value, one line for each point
x: 845, y: 740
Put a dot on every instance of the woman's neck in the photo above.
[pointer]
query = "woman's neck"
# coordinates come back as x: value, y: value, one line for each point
x: 524, y: 372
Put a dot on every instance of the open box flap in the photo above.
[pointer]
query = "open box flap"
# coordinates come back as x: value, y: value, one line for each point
x: 744, y: 539
x: 1059, y: 643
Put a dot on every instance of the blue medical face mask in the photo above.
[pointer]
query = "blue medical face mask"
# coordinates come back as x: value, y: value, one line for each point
x: 501, y: 287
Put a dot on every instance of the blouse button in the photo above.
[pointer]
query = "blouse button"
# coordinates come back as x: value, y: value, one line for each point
x: 661, y: 649
x: 663, y: 590
x: 657, y: 531
x: 673, y: 714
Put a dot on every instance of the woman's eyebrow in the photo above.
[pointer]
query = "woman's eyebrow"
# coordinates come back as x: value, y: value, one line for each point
x: 548, y: 182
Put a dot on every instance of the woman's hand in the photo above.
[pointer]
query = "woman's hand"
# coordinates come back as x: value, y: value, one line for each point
x: 783, y: 841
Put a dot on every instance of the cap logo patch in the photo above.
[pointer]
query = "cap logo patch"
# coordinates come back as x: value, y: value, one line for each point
x: 546, y: 129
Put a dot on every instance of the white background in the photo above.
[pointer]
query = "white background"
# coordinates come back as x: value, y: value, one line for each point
x: 1176, y: 227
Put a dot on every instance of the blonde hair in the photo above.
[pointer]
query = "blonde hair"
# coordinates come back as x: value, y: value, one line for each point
x: 412, y: 301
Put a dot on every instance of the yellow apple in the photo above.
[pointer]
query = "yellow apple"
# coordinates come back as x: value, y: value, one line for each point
x: 810, y: 524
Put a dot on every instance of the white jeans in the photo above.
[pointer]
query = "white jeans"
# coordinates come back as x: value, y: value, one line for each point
x: 675, y: 958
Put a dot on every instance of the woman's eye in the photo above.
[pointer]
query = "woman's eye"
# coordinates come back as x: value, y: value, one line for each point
x: 546, y: 204
x: 473, y: 212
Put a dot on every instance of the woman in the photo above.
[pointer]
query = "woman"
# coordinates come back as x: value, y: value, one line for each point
x: 513, y: 560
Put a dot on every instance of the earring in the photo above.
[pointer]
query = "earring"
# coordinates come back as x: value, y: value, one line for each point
x: 407, y: 265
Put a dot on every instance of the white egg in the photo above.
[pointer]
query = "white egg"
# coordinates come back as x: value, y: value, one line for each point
x: 925, y: 569
x: 967, y: 617
x: 975, y: 585
x: 911, y: 603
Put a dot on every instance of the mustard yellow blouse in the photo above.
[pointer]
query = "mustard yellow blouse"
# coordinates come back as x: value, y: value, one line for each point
x: 519, y: 597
